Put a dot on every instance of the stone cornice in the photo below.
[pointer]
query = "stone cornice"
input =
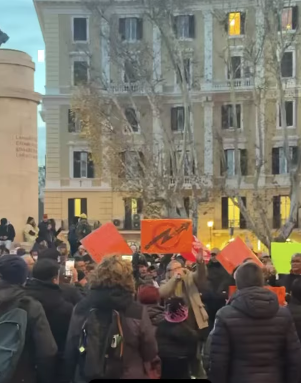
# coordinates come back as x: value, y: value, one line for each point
x: 20, y: 94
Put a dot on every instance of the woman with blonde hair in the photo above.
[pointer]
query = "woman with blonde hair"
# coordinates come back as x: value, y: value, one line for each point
x: 30, y: 231
x: 110, y: 335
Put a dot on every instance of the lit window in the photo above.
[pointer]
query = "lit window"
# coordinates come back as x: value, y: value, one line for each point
x: 287, y: 19
x: 233, y: 214
x: 234, y: 25
x: 285, y: 206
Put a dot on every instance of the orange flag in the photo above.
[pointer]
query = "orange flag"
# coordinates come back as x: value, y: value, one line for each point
x: 166, y: 236
x: 234, y: 254
x: 105, y: 241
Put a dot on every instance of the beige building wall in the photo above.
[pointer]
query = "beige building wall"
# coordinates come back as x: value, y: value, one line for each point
x: 18, y: 137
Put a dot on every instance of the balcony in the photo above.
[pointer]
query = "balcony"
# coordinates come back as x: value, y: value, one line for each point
x: 225, y: 86
x: 128, y: 88
x: 187, y: 182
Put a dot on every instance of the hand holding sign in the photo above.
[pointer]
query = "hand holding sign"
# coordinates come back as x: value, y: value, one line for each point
x: 198, y: 251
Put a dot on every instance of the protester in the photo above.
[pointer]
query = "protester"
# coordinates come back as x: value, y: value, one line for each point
x: 72, y: 237
x: 30, y: 231
x: 45, y: 230
x: 295, y: 273
x: 177, y: 341
x: 140, y: 271
x: 295, y: 305
x: 80, y: 265
x: 149, y: 296
x: 44, y: 287
x: 37, y: 362
x: 83, y: 228
x: 81, y: 283
x: 83, y: 255
x: 7, y: 233
x: 254, y: 340
x: 112, y: 288
x: 39, y: 246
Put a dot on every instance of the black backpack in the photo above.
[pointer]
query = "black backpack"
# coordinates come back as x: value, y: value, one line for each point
x: 101, y: 346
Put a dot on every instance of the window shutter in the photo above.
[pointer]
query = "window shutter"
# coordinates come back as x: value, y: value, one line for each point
x: 243, y: 222
x: 238, y: 116
x: 227, y: 23
x: 76, y: 164
x: 139, y: 205
x: 224, y: 114
x: 192, y: 26
x: 244, y: 162
x: 289, y: 108
x: 90, y: 167
x: 295, y: 152
x: 242, y: 23
x: 295, y: 23
x: 174, y: 25
x: 186, y: 203
x: 83, y: 206
x: 139, y: 29
x: 225, y: 218
x: 141, y: 161
x: 70, y: 210
x: 174, y: 114
x: 275, y: 161
x: 276, y: 212
x: 122, y: 28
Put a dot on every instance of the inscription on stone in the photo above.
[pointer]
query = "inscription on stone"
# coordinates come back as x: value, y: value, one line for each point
x: 26, y: 147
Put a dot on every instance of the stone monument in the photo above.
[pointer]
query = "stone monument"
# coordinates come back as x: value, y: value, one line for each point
x: 18, y: 138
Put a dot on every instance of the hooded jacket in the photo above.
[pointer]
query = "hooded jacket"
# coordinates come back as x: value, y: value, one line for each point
x: 254, y: 341
x: 58, y: 311
x: 156, y: 314
x: 140, y: 345
x: 38, y: 360
x: 7, y: 230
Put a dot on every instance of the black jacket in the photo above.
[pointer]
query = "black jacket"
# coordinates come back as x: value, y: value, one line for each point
x: 58, y: 311
x: 7, y: 231
x: 70, y: 293
x: 295, y: 309
x: 44, y: 232
x: 218, y: 277
x: 254, y: 341
x: 139, y: 339
x: 156, y: 314
x: 176, y: 340
x: 38, y: 360
x: 287, y: 281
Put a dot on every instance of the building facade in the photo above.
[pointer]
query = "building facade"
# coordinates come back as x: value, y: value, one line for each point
x: 223, y: 89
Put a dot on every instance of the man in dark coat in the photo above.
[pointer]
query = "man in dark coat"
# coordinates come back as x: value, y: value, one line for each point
x: 295, y: 273
x: 38, y: 360
x: 45, y: 289
x: 254, y: 340
x: 295, y: 305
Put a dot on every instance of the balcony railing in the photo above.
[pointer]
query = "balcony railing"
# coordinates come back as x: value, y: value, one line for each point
x: 128, y: 88
x: 239, y: 83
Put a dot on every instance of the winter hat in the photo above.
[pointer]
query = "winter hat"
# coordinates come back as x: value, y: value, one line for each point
x: 148, y: 295
x: 83, y: 216
x: 13, y: 269
x: 176, y: 310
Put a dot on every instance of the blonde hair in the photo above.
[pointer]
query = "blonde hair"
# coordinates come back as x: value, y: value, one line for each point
x: 113, y: 271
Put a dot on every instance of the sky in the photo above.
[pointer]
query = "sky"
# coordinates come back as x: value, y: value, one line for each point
x: 18, y: 19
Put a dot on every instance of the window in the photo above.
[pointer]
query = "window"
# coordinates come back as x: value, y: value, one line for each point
x: 289, y: 19
x: 131, y: 164
x: 184, y: 26
x: 289, y: 111
x: 187, y: 72
x: 76, y: 207
x: 231, y: 215
x: 231, y: 167
x: 130, y: 71
x: 177, y: 119
x: 281, y: 210
x: 131, y: 29
x: 188, y: 162
x: 133, y: 208
x: 235, y: 67
x: 130, y: 115
x: 83, y: 166
x: 287, y: 66
x: 228, y: 116
x: 80, y: 72
x: 279, y: 160
x: 74, y: 124
x: 236, y: 23
x: 80, y: 29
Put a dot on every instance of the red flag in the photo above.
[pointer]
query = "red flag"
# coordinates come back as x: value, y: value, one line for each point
x: 196, y: 245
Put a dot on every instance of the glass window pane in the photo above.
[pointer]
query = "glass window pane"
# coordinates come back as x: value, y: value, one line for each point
x: 234, y: 23
x: 287, y: 19
x: 231, y: 162
x: 233, y: 214
x: 84, y: 164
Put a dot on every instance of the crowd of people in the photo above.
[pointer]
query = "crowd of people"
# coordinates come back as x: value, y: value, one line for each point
x: 158, y: 316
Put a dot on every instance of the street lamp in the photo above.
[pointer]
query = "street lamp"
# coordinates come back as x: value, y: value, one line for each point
x: 210, y: 225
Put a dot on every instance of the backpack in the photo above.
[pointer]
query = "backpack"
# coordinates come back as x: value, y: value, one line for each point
x: 101, y: 346
x: 13, y: 324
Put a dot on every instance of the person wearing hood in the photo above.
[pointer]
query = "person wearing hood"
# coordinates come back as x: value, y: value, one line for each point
x: 31, y: 231
x: 37, y: 362
x: 254, y: 340
x: 7, y: 233
x: 112, y: 287
x: 150, y: 297
x: 44, y: 287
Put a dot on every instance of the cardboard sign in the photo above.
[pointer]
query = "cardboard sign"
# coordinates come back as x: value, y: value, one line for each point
x: 192, y: 255
x: 234, y: 254
x: 105, y: 241
x: 282, y: 254
x: 279, y: 291
x: 166, y: 236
